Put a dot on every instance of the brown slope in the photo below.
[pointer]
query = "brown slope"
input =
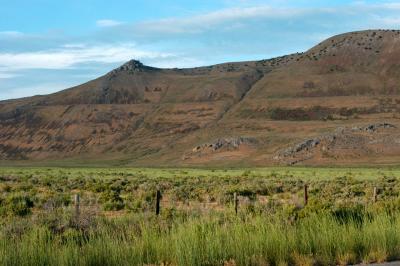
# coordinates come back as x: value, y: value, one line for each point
x: 358, y: 63
x: 245, y: 112
x: 347, y: 80
x: 123, y: 111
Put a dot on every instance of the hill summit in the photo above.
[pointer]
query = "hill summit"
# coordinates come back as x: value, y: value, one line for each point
x: 337, y: 103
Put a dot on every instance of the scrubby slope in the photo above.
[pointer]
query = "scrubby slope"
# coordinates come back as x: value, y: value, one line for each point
x: 140, y: 115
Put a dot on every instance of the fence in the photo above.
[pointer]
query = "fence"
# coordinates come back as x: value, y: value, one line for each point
x: 236, y: 201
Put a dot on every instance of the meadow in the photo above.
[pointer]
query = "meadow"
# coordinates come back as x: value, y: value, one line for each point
x: 343, y: 222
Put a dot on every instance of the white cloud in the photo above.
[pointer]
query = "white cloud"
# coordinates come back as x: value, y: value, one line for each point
x: 40, y: 89
x: 11, y: 34
x: 201, y: 22
x: 74, y: 45
x: 68, y: 56
x: 388, y: 21
x: 393, y: 6
x: 235, y: 18
x: 7, y: 75
x: 108, y: 23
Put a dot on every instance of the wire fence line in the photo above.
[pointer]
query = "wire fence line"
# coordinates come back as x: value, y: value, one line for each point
x: 160, y: 202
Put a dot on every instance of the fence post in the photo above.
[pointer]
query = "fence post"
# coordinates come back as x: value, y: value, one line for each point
x: 305, y: 194
x: 77, y: 201
x: 236, y: 202
x: 158, y: 199
x: 375, y: 197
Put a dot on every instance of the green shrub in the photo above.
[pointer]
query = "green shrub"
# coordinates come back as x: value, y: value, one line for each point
x: 113, y: 205
x: 353, y: 213
x: 20, y: 205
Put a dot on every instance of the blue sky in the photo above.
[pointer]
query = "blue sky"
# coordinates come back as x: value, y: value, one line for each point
x: 48, y: 45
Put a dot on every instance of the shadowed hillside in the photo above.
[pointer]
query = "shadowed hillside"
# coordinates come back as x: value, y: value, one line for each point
x: 248, y: 113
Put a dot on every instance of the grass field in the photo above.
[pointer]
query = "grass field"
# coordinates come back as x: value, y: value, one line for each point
x: 116, y: 224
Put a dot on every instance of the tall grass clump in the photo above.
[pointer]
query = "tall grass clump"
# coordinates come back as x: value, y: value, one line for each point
x: 316, y: 239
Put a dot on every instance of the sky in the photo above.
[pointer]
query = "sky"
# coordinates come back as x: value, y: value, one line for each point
x: 47, y: 45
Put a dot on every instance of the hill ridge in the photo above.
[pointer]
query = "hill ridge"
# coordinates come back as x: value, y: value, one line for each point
x: 143, y: 115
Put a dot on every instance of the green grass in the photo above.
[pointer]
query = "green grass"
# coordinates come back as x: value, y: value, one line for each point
x: 340, y: 225
x: 283, y: 172
x: 212, y: 240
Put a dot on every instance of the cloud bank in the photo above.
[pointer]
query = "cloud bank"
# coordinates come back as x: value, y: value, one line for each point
x: 108, y: 23
x: 71, y: 55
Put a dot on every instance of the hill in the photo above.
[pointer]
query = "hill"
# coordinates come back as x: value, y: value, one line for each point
x: 337, y: 103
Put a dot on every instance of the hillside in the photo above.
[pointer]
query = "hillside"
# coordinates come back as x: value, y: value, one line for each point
x: 337, y: 103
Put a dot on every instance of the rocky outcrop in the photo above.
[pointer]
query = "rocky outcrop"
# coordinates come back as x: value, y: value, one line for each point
x: 131, y: 67
x: 226, y: 143
x: 221, y: 144
x: 374, y: 127
x: 343, y: 142
x: 302, y: 146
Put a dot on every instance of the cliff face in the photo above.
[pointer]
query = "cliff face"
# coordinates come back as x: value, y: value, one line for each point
x: 140, y: 115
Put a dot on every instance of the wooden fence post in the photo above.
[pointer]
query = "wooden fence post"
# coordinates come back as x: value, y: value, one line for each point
x: 77, y: 201
x: 305, y: 194
x: 375, y: 197
x: 235, y: 202
x: 158, y: 199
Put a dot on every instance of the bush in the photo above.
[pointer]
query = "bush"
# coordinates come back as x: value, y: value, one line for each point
x: 346, y: 214
x: 20, y: 205
x: 113, y: 205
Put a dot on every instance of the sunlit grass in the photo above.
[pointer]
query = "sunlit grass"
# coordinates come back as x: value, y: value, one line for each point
x: 305, y: 173
x: 211, y: 240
